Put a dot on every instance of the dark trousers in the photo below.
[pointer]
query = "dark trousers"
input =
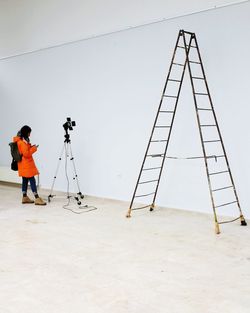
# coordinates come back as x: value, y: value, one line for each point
x: 32, y: 184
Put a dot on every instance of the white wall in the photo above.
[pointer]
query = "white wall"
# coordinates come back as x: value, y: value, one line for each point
x: 111, y: 86
x: 29, y: 25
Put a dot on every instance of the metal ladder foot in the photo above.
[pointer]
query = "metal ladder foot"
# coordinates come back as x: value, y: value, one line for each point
x: 129, y: 213
x: 243, y: 221
x: 152, y: 207
x: 217, y: 228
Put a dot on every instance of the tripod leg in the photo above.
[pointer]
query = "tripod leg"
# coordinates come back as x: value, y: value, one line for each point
x: 75, y: 173
x: 66, y: 145
x: 67, y: 150
x: 54, y: 178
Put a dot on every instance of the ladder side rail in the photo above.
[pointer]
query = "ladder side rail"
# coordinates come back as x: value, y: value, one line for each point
x: 219, y: 132
x: 201, y: 137
x: 172, y: 122
x: 155, y: 121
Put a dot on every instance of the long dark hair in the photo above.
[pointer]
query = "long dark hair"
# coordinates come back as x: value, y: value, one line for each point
x: 24, y: 132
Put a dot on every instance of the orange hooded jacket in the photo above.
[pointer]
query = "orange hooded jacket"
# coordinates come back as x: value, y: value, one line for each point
x: 26, y: 167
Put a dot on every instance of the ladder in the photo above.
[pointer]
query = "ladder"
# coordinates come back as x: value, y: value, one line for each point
x: 186, y: 55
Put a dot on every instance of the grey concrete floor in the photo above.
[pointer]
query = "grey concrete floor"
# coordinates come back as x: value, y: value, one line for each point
x: 167, y: 261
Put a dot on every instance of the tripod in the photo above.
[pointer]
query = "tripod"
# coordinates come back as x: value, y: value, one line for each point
x: 67, y: 150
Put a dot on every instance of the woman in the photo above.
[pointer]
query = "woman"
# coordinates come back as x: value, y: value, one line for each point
x: 26, y: 167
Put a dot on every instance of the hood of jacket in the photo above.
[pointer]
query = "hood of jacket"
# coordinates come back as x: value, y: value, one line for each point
x: 16, y: 139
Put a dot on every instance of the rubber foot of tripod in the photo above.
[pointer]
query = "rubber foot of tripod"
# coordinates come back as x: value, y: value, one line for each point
x: 243, y: 223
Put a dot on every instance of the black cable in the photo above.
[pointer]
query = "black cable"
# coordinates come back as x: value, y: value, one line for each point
x: 86, y: 208
x: 81, y: 207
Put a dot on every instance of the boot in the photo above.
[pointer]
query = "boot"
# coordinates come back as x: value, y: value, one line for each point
x: 39, y: 201
x: 26, y: 199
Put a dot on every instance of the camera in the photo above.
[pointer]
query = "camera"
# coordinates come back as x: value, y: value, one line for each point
x: 69, y: 124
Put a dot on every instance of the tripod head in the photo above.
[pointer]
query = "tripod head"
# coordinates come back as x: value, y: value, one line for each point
x: 67, y: 136
x: 68, y: 126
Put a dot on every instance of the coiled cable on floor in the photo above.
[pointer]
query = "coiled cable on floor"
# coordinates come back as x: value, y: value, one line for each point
x: 85, y: 208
